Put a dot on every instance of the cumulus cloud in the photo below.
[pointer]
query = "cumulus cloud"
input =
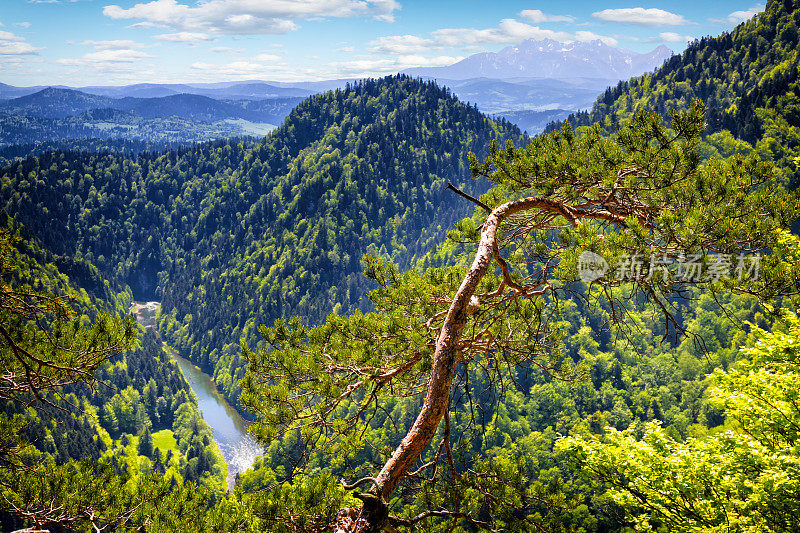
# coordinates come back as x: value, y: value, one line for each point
x: 14, y: 45
x: 740, y: 16
x: 672, y: 37
x: 116, y: 56
x: 267, y: 57
x: 8, y: 36
x: 183, y: 37
x: 537, y: 16
x: 247, y: 17
x: 641, y: 16
x: 402, y: 44
x: 227, y: 50
x: 106, y: 57
x: 8, y: 48
x: 586, y: 36
x: 113, y: 45
x: 508, y: 31
x: 368, y: 66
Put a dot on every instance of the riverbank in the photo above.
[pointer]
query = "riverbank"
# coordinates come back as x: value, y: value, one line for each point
x: 237, y: 448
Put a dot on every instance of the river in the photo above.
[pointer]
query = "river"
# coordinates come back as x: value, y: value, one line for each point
x: 238, y: 448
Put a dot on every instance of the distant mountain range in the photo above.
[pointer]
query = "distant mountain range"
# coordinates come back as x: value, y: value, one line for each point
x: 517, y: 94
x: 53, y: 113
x: 551, y: 59
x: 58, y: 114
x: 530, y: 84
x: 57, y: 103
x: 245, y: 90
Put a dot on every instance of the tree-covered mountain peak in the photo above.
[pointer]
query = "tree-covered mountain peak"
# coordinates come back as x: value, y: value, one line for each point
x: 55, y: 102
x: 372, y: 102
x: 230, y: 235
x: 748, y: 79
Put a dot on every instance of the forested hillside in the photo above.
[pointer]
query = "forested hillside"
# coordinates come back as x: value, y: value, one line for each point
x: 56, y: 103
x: 465, y: 372
x: 130, y: 148
x: 57, y: 114
x: 748, y: 79
x: 674, y: 387
x: 110, y: 124
x: 231, y: 236
x: 96, y: 424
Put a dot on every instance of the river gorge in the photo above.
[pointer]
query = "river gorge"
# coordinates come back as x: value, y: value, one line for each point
x: 238, y: 448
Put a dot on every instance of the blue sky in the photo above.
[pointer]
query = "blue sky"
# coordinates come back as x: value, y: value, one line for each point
x: 117, y: 42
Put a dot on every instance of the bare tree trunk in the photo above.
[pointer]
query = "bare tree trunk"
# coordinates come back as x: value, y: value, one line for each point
x: 445, y: 359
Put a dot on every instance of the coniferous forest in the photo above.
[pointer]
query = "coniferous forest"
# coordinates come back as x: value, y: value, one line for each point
x: 393, y: 289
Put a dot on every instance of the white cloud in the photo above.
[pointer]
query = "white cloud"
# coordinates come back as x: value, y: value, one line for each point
x: 23, y: 24
x: 105, y: 71
x: 183, y: 37
x: 227, y: 50
x: 267, y: 57
x: 508, y: 31
x: 107, y: 57
x: 8, y: 36
x: 672, y: 37
x: 401, y: 44
x: 537, y: 16
x: 586, y: 36
x: 740, y: 16
x: 8, y: 48
x: 247, y: 17
x: 116, y: 56
x: 14, y: 45
x: 361, y: 67
x: 144, y: 25
x: 238, y: 68
x: 641, y: 16
x: 113, y: 45
x: 370, y: 66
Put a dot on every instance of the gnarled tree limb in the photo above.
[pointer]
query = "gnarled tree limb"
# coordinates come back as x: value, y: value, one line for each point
x: 447, y: 344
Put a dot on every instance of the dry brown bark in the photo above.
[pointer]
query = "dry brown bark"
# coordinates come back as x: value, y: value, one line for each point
x: 445, y: 357
x: 373, y: 514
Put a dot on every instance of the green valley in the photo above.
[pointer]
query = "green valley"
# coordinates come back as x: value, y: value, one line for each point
x: 430, y: 320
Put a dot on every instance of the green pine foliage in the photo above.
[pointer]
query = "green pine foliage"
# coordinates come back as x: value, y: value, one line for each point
x: 748, y: 79
x: 307, y: 389
x: 18, y: 152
